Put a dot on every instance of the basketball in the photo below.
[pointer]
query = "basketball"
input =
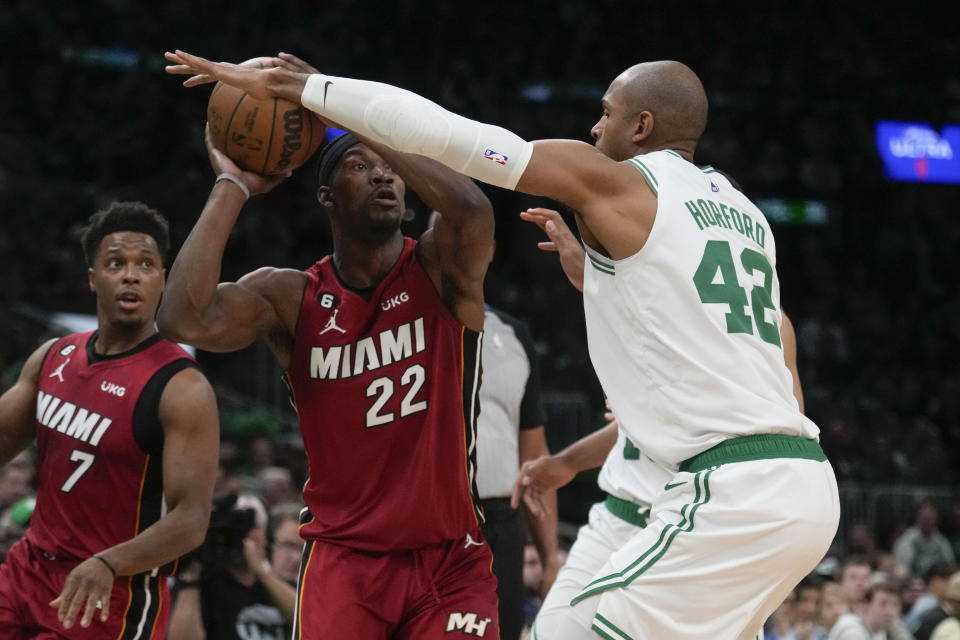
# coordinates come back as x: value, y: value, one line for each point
x: 264, y: 136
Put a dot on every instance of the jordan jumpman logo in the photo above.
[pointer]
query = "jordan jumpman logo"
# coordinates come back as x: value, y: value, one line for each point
x: 471, y: 541
x: 59, y: 372
x: 332, y: 323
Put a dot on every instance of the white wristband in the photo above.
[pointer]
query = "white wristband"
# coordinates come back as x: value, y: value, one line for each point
x: 235, y: 180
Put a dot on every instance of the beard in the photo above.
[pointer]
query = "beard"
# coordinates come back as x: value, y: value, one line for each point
x: 379, y: 231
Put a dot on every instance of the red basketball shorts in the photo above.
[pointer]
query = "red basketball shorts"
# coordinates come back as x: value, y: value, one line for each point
x: 445, y: 591
x: 30, y: 579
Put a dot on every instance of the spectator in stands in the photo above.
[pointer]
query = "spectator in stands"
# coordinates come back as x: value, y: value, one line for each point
x: 15, y: 480
x: 276, y: 486
x: 855, y: 581
x: 286, y: 543
x: 936, y: 580
x: 940, y: 622
x: 922, y: 545
x: 833, y: 605
x: 229, y: 591
x: 879, y: 612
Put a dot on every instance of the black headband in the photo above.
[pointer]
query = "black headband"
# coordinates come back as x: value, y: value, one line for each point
x: 330, y: 155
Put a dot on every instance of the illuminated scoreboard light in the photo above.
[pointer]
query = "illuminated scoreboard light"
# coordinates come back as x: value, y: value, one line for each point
x: 916, y: 152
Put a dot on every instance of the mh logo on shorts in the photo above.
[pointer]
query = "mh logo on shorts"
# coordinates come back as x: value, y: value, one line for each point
x: 468, y: 623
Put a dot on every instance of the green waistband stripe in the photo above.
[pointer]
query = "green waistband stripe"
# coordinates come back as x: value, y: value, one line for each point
x: 659, y: 548
x: 607, y: 629
x: 765, y: 446
x: 626, y: 510
x: 647, y: 174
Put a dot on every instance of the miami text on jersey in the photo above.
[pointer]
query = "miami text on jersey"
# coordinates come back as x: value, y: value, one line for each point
x: 369, y: 353
x: 71, y: 420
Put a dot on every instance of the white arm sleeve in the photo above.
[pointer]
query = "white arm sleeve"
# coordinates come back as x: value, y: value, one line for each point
x: 404, y: 121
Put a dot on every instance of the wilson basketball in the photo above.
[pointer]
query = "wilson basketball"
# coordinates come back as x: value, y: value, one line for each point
x: 264, y: 136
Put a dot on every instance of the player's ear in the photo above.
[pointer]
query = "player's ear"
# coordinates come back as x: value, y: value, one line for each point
x: 642, y: 127
x: 90, y: 280
x: 324, y: 197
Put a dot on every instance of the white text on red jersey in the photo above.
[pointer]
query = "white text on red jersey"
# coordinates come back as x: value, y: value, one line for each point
x: 369, y: 353
x: 71, y: 420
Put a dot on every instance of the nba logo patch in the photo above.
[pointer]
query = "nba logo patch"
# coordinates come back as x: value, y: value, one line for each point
x: 499, y: 158
x: 714, y: 187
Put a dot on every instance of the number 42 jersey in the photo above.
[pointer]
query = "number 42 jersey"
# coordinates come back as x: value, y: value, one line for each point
x: 386, y: 394
x: 685, y: 334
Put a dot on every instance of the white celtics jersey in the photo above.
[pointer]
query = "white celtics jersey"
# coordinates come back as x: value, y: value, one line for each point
x: 685, y: 334
x: 630, y: 475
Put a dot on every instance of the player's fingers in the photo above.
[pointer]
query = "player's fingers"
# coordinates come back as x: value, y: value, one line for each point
x: 103, y: 604
x: 90, y: 607
x: 69, y: 608
x: 192, y: 60
x: 533, y: 503
x: 559, y: 232
x: 544, y: 212
x: 180, y: 69
x: 516, y: 494
x: 547, y: 246
x: 296, y: 63
x: 531, y: 218
x: 197, y: 80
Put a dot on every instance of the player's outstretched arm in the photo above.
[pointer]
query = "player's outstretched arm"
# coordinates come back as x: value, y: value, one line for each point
x: 554, y: 471
x: 196, y: 308
x: 562, y: 241
x: 188, y: 417
x: 18, y: 407
x: 618, y: 207
x: 532, y: 444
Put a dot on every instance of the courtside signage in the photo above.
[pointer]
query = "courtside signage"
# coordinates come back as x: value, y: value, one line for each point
x: 916, y: 152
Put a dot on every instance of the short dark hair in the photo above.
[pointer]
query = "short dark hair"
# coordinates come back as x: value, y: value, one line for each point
x: 882, y: 587
x: 938, y: 570
x: 125, y: 216
x: 810, y: 581
x: 855, y: 561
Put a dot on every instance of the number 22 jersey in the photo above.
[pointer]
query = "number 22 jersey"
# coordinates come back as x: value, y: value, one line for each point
x: 386, y: 394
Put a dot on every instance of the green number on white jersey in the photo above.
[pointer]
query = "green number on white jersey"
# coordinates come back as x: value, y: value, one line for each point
x: 717, y: 259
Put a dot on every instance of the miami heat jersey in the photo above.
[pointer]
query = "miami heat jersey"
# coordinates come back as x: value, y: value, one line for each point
x: 386, y: 393
x: 99, y: 443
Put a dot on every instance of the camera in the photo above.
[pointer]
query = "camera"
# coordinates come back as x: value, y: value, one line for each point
x: 223, y: 546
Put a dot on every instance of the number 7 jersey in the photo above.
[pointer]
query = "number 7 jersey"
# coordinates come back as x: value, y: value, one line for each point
x: 386, y: 394
x: 685, y: 334
x: 100, y: 444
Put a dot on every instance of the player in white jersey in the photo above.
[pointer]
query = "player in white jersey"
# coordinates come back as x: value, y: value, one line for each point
x: 683, y: 314
x: 630, y: 479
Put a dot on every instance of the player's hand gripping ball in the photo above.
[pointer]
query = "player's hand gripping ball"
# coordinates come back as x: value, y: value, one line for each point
x: 269, y: 136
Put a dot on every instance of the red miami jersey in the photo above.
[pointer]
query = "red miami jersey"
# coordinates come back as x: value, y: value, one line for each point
x: 386, y: 393
x: 99, y: 444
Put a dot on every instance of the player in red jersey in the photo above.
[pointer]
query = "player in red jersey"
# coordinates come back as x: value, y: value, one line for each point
x: 127, y: 440
x: 380, y: 342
